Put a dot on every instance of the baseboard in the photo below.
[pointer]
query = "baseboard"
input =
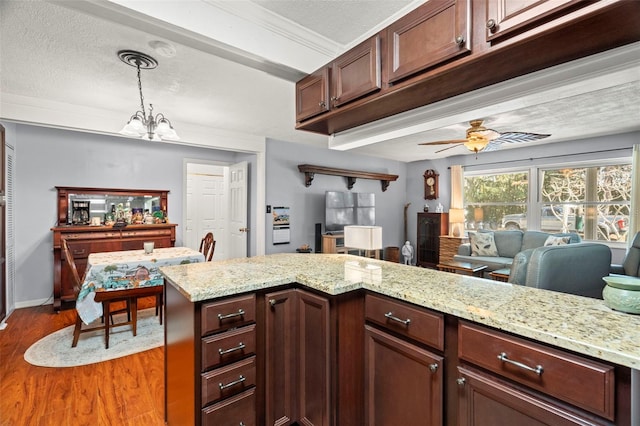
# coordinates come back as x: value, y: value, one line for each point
x: 32, y: 303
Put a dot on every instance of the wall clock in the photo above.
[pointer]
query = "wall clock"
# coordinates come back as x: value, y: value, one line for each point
x: 430, y: 185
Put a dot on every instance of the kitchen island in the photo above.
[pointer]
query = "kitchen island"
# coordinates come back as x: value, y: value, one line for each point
x: 457, y: 305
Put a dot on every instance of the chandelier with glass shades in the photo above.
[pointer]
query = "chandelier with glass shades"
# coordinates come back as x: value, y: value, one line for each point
x: 153, y: 128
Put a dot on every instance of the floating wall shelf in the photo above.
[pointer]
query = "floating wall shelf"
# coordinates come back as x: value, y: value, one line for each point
x: 351, y: 175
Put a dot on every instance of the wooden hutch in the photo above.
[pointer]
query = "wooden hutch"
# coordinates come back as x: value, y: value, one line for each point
x: 84, y: 238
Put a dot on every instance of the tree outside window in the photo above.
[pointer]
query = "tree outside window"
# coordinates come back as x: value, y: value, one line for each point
x: 593, y: 201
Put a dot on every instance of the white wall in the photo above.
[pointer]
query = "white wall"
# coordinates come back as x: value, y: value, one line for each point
x: 47, y: 157
x: 286, y: 187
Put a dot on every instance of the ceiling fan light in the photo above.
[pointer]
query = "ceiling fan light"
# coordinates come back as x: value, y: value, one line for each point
x: 476, y: 143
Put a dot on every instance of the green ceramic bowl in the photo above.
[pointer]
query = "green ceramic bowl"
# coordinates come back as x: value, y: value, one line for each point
x: 622, y: 293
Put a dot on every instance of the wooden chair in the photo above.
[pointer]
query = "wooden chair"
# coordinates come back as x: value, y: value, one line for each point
x: 208, y: 246
x: 106, y: 303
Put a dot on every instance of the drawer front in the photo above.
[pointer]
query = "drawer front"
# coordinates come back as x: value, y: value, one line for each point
x: 228, y: 381
x: 228, y: 313
x: 234, y: 411
x: 79, y: 250
x: 228, y: 347
x: 576, y: 380
x: 419, y: 324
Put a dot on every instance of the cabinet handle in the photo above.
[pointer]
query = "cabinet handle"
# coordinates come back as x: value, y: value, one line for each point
x: 241, y: 424
x: 460, y: 40
x: 235, y: 382
x: 226, y: 351
x: 433, y: 367
x: 538, y: 368
x: 322, y: 104
x: 235, y: 314
x: 461, y: 381
x: 274, y: 302
x: 492, y: 25
x: 391, y: 317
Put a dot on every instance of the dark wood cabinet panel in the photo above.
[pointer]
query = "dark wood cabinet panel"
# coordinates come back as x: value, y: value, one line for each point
x: 551, y: 371
x: 485, y: 400
x: 433, y: 33
x: 506, y: 17
x: 356, y: 73
x: 313, y: 359
x: 403, y: 382
x: 280, y: 357
x: 312, y: 95
x: 430, y: 227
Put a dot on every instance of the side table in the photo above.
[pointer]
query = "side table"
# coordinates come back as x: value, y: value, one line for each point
x: 466, y: 268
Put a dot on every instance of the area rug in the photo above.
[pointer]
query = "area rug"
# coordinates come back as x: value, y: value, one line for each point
x: 55, y: 349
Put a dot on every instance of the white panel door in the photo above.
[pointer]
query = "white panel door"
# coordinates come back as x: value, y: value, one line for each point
x: 238, y: 210
x: 207, y: 206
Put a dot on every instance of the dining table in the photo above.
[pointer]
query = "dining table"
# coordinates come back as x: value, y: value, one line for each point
x: 120, y: 271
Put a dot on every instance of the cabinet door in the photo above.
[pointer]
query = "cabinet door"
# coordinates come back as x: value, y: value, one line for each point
x: 505, y: 17
x: 484, y: 400
x: 280, y: 359
x: 433, y: 33
x: 312, y: 94
x: 430, y: 227
x: 403, y: 382
x: 313, y: 359
x: 356, y: 73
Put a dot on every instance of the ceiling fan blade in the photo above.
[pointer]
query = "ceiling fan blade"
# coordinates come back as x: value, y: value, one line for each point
x: 519, y: 137
x: 449, y: 147
x: 492, y: 146
x: 458, y: 141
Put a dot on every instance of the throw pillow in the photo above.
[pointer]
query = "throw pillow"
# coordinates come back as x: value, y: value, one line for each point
x: 556, y: 241
x: 483, y: 244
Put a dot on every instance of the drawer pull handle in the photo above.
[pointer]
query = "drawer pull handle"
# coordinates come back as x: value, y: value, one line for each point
x: 227, y: 351
x: 538, y: 369
x: 461, y: 381
x: 235, y: 314
x: 235, y: 382
x: 433, y: 367
x: 391, y: 317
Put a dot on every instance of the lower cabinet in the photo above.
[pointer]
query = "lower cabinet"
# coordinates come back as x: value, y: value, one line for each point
x: 486, y: 400
x: 297, y: 361
x: 403, y: 382
x: 403, y: 377
x: 297, y: 357
x: 503, y: 379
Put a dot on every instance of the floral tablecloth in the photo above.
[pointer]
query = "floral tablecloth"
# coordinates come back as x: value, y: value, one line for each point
x: 119, y: 270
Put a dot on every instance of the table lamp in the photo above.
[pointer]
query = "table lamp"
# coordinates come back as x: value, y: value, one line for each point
x: 456, y: 218
x: 365, y: 238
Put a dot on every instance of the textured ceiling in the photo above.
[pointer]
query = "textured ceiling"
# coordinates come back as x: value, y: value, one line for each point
x: 59, y: 67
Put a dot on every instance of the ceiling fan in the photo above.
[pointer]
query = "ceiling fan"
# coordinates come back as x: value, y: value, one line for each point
x: 479, y: 138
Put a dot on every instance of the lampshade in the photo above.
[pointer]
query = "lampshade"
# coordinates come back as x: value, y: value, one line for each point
x: 456, y: 218
x: 478, y: 214
x: 363, y: 237
x: 456, y: 215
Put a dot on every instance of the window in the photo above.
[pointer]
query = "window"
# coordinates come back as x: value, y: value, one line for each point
x: 491, y: 198
x: 591, y: 200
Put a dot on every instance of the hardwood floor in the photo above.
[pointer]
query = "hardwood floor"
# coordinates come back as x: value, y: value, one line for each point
x: 124, y: 391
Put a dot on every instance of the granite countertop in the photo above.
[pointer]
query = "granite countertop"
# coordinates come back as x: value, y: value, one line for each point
x: 576, y: 323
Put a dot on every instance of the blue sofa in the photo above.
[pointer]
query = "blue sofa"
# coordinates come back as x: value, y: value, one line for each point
x: 576, y: 267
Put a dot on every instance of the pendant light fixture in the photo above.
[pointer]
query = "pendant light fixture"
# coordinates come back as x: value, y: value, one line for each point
x: 153, y: 128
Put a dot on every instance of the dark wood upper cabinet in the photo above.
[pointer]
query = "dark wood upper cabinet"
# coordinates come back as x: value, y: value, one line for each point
x: 433, y: 33
x: 352, y: 75
x: 356, y: 73
x: 506, y: 17
x: 312, y: 95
